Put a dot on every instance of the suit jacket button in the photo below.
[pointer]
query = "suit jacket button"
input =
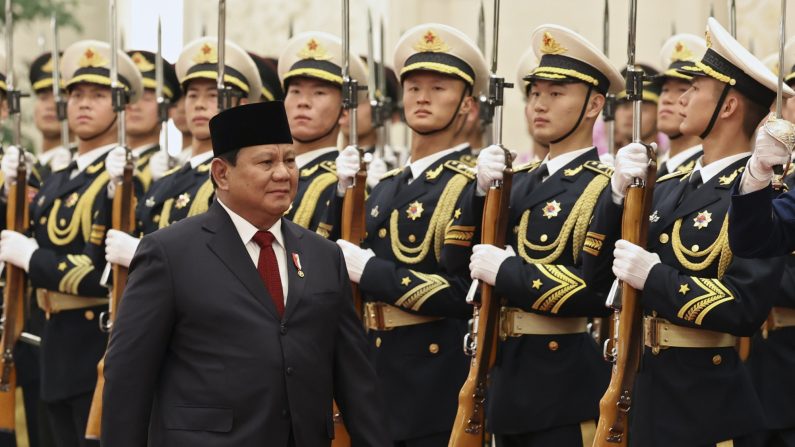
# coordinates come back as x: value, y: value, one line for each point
x: 283, y: 330
x: 290, y: 370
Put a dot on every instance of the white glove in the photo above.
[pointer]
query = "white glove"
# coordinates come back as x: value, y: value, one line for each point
x: 61, y: 157
x: 355, y: 259
x: 485, y: 262
x: 375, y: 170
x: 17, y: 249
x: 114, y: 164
x: 632, y: 264
x: 491, y: 163
x: 10, y: 163
x: 632, y: 161
x: 347, y: 167
x: 158, y: 165
x: 120, y: 247
x: 768, y: 152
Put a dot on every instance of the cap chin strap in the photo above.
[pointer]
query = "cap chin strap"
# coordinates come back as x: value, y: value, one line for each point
x: 449, y: 123
x: 325, y: 134
x: 102, y: 132
x: 716, y: 112
x: 579, y: 119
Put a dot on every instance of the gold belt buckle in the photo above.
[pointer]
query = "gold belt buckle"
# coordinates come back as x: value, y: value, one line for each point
x: 375, y: 316
x: 653, y: 334
x: 506, y: 323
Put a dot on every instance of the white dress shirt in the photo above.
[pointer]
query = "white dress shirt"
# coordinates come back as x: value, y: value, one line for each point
x: 196, y: 160
x: 672, y: 163
x: 302, y: 160
x: 85, y: 160
x: 714, y: 168
x: 247, y: 232
x: 556, y: 164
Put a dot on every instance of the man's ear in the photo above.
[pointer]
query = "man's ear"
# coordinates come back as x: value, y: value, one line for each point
x: 467, y: 105
x: 731, y: 106
x: 595, y: 105
x: 219, y: 169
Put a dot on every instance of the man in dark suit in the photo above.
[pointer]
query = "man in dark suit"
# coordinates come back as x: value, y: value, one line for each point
x: 237, y: 326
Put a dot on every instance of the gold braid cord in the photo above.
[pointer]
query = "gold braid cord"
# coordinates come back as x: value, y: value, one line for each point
x: 201, y: 203
x: 576, y: 224
x: 306, y: 209
x: 718, y: 248
x: 441, y: 217
x: 81, y: 218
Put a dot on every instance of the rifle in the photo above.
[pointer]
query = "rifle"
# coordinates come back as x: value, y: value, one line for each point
x: 609, y: 111
x: 60, y: 102
x: 485, y: 110
x: 469, y: 428
x: 225, y: 93
x: 627, y: 343
x: 162, y: 102
x: 16, y: 220
x: 123, y: 219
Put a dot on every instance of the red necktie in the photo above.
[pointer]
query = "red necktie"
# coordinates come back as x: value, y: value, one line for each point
x: 268, y: 269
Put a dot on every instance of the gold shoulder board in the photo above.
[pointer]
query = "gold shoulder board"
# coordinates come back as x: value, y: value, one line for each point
x: 599, y: 168
x: 527, y: 166
x: 461, y: 168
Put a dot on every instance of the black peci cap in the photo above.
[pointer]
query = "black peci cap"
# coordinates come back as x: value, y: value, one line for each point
x: 250, y: 125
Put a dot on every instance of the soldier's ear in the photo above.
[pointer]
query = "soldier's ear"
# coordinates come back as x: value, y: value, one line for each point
x: 730, y: 106
x: 595, y: 105
x: 467, y: 105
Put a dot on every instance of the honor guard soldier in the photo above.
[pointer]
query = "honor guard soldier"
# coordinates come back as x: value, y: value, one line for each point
x: 310, y: 68
x: 143, y: 121
x: 269, y: 75
x: 651, y: 99
x: 64, y: 256
x: 678, y: 51
x: 698, y: 296
x: 187, y: 190
x: 415, y: 310
x: 549, y: 373
x: 527, y: 63
x: 53, y: 156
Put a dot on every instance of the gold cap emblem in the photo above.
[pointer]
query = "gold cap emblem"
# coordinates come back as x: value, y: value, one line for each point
x: 206, y: 55
x: 142, y: 63
x: 314, y: 50
x: 92, y: 59
x: 47, y: 68
x: 681, y: 52
x: 551, y: 46
x: 430, y: 42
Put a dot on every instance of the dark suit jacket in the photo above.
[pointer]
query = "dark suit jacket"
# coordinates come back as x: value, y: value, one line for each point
x: 199, y: 356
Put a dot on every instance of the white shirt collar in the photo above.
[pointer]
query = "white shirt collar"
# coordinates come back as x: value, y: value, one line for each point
x: 555, y: 164
x: 419, y: 166
x: 714, y: 168
x: 302, y: 160
x: 247, y: 231
x: 674, y: 162
x: 196, y: 160
x: 85, y: 160
x: 45, y: 157
x: 141, y: 149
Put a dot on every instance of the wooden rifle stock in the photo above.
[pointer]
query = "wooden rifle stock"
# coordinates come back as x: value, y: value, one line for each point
x: 615, y: 404
x: 13, y: 300
x: 123, y: 219
x: 469, y: 428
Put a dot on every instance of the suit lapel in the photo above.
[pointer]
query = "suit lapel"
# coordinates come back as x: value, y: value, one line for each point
x: 296, y: 283
x: 226, y: 244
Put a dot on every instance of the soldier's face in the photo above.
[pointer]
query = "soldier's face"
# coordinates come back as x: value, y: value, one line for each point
x: 554, y: 108
x: 698, y: 104
x: 430, y: 100
x: 669, y: 111
x: 313, y: 107
x: 201, y: 104
x: 648, y: 120
x: 45, y: 116
x: 261, y: 184
x: 141, y: 117
x: 178, y: 116
x: 90, y: 110
x: 364, y: 120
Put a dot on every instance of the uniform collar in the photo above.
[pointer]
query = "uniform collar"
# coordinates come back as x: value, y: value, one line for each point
x: 85, y: 160
x: 138, y: 151
x: 247, y: 231
x: 196, y: 160
x: 715, y: 168
x: 46, y: 156
x: 419, y: 166
x: 555, y: 164
x: 302, y: 160
x: 674, y: 162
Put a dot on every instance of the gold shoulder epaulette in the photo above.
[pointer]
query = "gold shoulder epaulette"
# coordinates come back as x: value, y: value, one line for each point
x: 171, y: 171
x: 527, y: 166
x: 329, y: 166
x: 461, y: 168
x: 392, y: 173
x: 599, y: 167
x: 675, y: 174
x: 469, y: 159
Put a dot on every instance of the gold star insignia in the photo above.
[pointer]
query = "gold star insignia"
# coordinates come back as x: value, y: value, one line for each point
x: 62, y: 266
x: 458, y: 213
x: 537, y: 284
x: 683, y: 289
x: 405, y: 281
x: 71, y: 200
x: 431, y: 42
x: 414, y: 210
x: 374, y: 212
x: 551, y: 46
x: 551, y: 209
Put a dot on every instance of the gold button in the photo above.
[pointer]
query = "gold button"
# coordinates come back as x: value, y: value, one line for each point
x: 366, y: 234
x: 382, y: 233
x: 553, y: 345
x: 664, y: 238
x: 156, y: 219
x: 62, y: 222
x: 694, y: 247
x: 544, y: 238
x: 412, y: 238
x: 717, y: 359
x: 89, y: 315
x: 433, y: 348
x: 43, y: 220
x: 378, y: 342
x: 516, y: 229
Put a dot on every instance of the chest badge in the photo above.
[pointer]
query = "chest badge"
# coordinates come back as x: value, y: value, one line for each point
x: 297, y: 264
x: 551, y: 209
x: 71, y: 200
x: 654, y: 217
x: 182, y: 201
x: 702, y: 220
x: 150, y: 202
x: 374, y: 212
x: 414, y: 210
